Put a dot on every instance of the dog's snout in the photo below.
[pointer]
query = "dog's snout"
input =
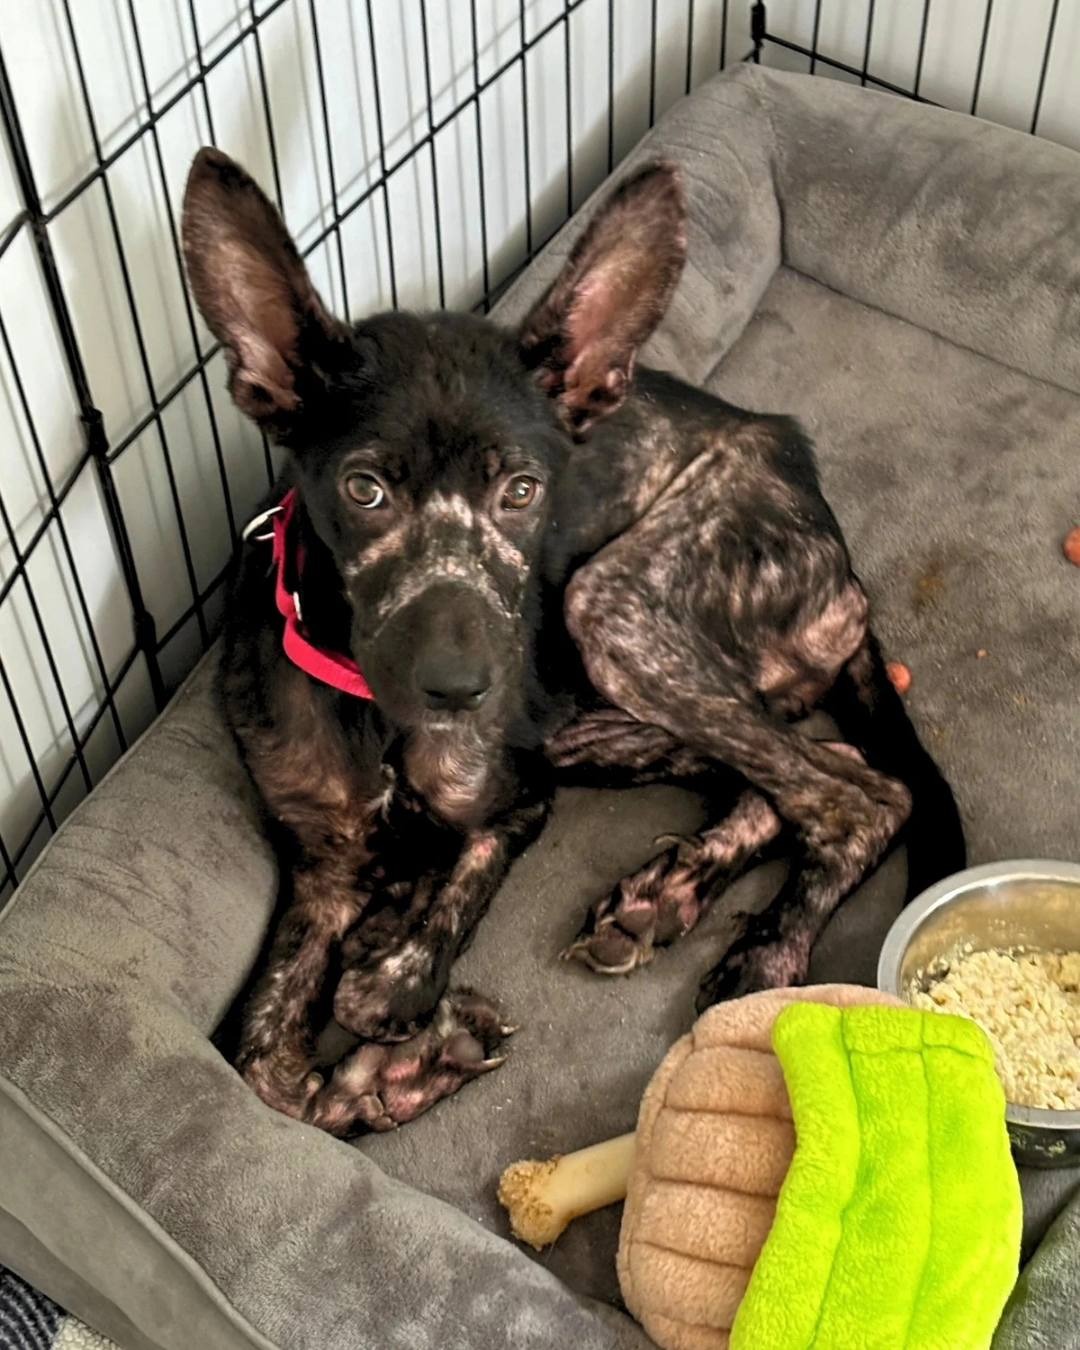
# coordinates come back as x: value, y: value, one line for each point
x: 453, y: 683
x: 446, y: 650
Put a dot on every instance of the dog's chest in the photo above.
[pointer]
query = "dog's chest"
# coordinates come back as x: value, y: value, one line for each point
x: 452, y: 773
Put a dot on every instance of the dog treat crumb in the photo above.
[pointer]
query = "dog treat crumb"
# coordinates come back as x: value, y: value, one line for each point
x: 899, y: 675
x: 1071, y: 545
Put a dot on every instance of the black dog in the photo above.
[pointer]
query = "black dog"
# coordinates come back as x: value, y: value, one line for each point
x: 540, y: 561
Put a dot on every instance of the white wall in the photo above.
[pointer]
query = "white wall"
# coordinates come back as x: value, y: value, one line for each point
x: 133, y: 367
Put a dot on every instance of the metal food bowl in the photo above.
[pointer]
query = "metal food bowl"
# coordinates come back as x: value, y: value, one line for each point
x: 1033, y: 904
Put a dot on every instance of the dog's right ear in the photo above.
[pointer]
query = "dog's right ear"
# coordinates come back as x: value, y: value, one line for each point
x: 252, y: 287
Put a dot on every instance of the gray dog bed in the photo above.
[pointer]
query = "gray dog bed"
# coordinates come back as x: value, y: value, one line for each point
x: 907, y: 282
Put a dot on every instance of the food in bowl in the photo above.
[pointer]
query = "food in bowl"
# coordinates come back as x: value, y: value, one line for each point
x: 1028, y: 1003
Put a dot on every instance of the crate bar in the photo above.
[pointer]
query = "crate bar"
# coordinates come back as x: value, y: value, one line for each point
x: 922, y: 48
x: 875, y: 80
x: 480, y: 156
x: 568, y: 94
x: 689, y: 82
x: 189, y: 313
x: 54, y: 513
x: 136, y: 324
x: 384, y: 175
x: 434, y: 154
x: 611, y: 86
x: 526, y: 162
x: 201, y: 80
x: 321, y: 80
x: 264, y: 95
x: 982, y: 56
x: 96, y: 440
x: 1045, y: 66
x: 814, y: 36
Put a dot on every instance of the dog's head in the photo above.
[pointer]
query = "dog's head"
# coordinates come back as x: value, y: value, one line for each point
x: 425, y: 447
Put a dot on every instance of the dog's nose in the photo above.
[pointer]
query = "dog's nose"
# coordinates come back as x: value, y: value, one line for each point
x: 453, y: 685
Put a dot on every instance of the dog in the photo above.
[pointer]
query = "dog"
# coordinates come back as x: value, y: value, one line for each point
x: 498, y: 559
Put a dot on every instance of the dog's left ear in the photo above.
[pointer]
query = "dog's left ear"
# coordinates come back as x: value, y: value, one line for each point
x: 583, y: 336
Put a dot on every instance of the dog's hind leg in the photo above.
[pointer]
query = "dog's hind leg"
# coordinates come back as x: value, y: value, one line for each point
x: 607, y: 747
x: 844, y: 814
x: 644, y: 621
x: 871, y: 714
x: 667, y: 897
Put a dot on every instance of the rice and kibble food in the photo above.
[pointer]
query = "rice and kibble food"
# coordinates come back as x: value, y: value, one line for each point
x: 1028, y: 1003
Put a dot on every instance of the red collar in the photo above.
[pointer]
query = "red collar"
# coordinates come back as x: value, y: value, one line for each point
x: 332, y: 668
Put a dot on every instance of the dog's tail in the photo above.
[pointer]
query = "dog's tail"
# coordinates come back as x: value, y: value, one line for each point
x: 871, y: 714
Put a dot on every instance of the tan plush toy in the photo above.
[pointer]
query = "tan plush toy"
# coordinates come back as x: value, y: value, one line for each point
x: 877, y: 1088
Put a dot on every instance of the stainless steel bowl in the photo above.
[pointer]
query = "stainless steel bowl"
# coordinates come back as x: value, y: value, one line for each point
x: 1032, y: 903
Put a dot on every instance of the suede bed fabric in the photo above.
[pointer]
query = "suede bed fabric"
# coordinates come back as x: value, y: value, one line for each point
x: 947, y: 432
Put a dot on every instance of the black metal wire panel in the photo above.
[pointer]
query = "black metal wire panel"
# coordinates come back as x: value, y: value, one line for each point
x: 175, y: 406
x: 1026, y: 36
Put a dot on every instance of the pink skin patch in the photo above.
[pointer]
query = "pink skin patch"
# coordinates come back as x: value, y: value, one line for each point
x: 482, y: 849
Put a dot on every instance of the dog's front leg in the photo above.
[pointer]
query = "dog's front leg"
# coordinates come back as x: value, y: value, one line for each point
x: 389, y: 992
x: 380, y: 1085
x: 277, y: 1042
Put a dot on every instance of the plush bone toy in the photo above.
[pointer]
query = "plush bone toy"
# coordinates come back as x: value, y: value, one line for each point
x: 815, y: 1167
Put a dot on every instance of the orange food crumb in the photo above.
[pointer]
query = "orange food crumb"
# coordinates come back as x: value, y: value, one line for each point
x: 899, y: 676
x: 1071, y: 546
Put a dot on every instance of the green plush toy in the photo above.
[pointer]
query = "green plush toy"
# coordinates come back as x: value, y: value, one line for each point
x: 898, y: 1224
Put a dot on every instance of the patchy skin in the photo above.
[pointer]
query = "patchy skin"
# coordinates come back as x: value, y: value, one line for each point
x: 386, y: 989
x: 546, y: 560
x: 748, y: 620
x: 666, y: 898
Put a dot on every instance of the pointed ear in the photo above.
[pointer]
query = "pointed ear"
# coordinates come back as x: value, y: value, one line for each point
x: 252, y: 288
x: 583, y: 336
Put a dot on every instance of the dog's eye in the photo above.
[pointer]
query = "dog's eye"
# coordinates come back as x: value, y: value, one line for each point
x: 365, y: 490
x: 521, y: 491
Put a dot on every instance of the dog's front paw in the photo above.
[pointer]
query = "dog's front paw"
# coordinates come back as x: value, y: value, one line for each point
x: 379, y: 1087
x: 282, y: 1082
x: 388, y: 998
x: 459, y: 1045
